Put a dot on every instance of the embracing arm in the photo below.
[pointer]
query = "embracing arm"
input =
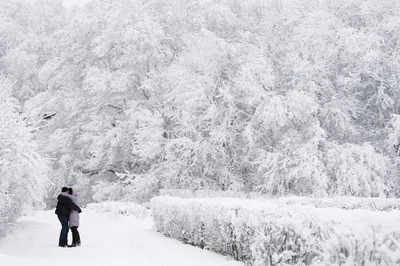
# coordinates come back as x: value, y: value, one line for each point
x: 72, y: 205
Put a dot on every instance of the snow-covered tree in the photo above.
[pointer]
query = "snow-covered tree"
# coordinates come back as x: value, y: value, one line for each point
x: 25, y: 30
x: 23, y: 171
x: 357, y: 170
x: 270, y: 96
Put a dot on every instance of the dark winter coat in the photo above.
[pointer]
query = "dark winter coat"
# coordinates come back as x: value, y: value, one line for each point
x: 65, y: 205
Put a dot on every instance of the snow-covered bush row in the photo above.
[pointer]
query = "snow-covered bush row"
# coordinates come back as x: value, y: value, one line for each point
x: 121, y: 208
x: 348, y: 203
x: 189, y: 193
x: 263, y: 233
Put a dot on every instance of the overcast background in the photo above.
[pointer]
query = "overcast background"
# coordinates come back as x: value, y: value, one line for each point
x: 66, y: 2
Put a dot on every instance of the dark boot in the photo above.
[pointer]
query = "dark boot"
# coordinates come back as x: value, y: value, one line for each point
x: 76, y: 239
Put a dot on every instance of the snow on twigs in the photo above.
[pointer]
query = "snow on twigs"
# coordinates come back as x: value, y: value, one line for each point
x: 264, y: 233
x: 121, y: 208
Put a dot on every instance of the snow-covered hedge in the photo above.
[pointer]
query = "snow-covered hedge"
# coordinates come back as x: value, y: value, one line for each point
x: 264, y: 233
x: 188, y: 193
x: 121, y: 208
x: 348, y: 203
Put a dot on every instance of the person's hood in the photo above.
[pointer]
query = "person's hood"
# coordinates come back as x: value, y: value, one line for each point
x: 64, y: 194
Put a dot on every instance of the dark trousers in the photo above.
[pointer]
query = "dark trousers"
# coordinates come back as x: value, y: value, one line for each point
x: 64, y: 230
x: 76, y: 238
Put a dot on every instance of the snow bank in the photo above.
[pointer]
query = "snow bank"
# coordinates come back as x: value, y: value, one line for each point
x: 266, y: 233
x: 121, y: 208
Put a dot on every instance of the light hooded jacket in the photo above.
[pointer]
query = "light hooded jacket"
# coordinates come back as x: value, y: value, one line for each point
x: 74, y: 215
x: 65, y: 204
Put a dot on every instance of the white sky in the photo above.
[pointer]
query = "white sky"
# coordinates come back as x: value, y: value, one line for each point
x: 66, y: 2
x: 74, y: 2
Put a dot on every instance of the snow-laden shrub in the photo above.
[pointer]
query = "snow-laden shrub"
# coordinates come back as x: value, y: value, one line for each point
x: 112, y: 191
x: 264, y: 233
x: 137, y: 188
x: 121, y: 208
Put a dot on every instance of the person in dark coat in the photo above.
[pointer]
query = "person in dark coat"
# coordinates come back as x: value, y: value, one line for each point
x: 63, y: 210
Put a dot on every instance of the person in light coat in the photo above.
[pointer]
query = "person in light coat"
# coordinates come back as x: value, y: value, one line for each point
x: 74, y: 221
x: 63, y: 210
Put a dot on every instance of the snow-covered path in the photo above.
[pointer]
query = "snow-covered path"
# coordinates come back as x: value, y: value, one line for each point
x: 107, y: 239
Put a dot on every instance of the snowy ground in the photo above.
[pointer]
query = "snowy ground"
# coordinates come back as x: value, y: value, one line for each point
x: 107, y: 239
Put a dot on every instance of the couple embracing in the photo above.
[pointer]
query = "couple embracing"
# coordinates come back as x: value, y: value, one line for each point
x: 68, y: 214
